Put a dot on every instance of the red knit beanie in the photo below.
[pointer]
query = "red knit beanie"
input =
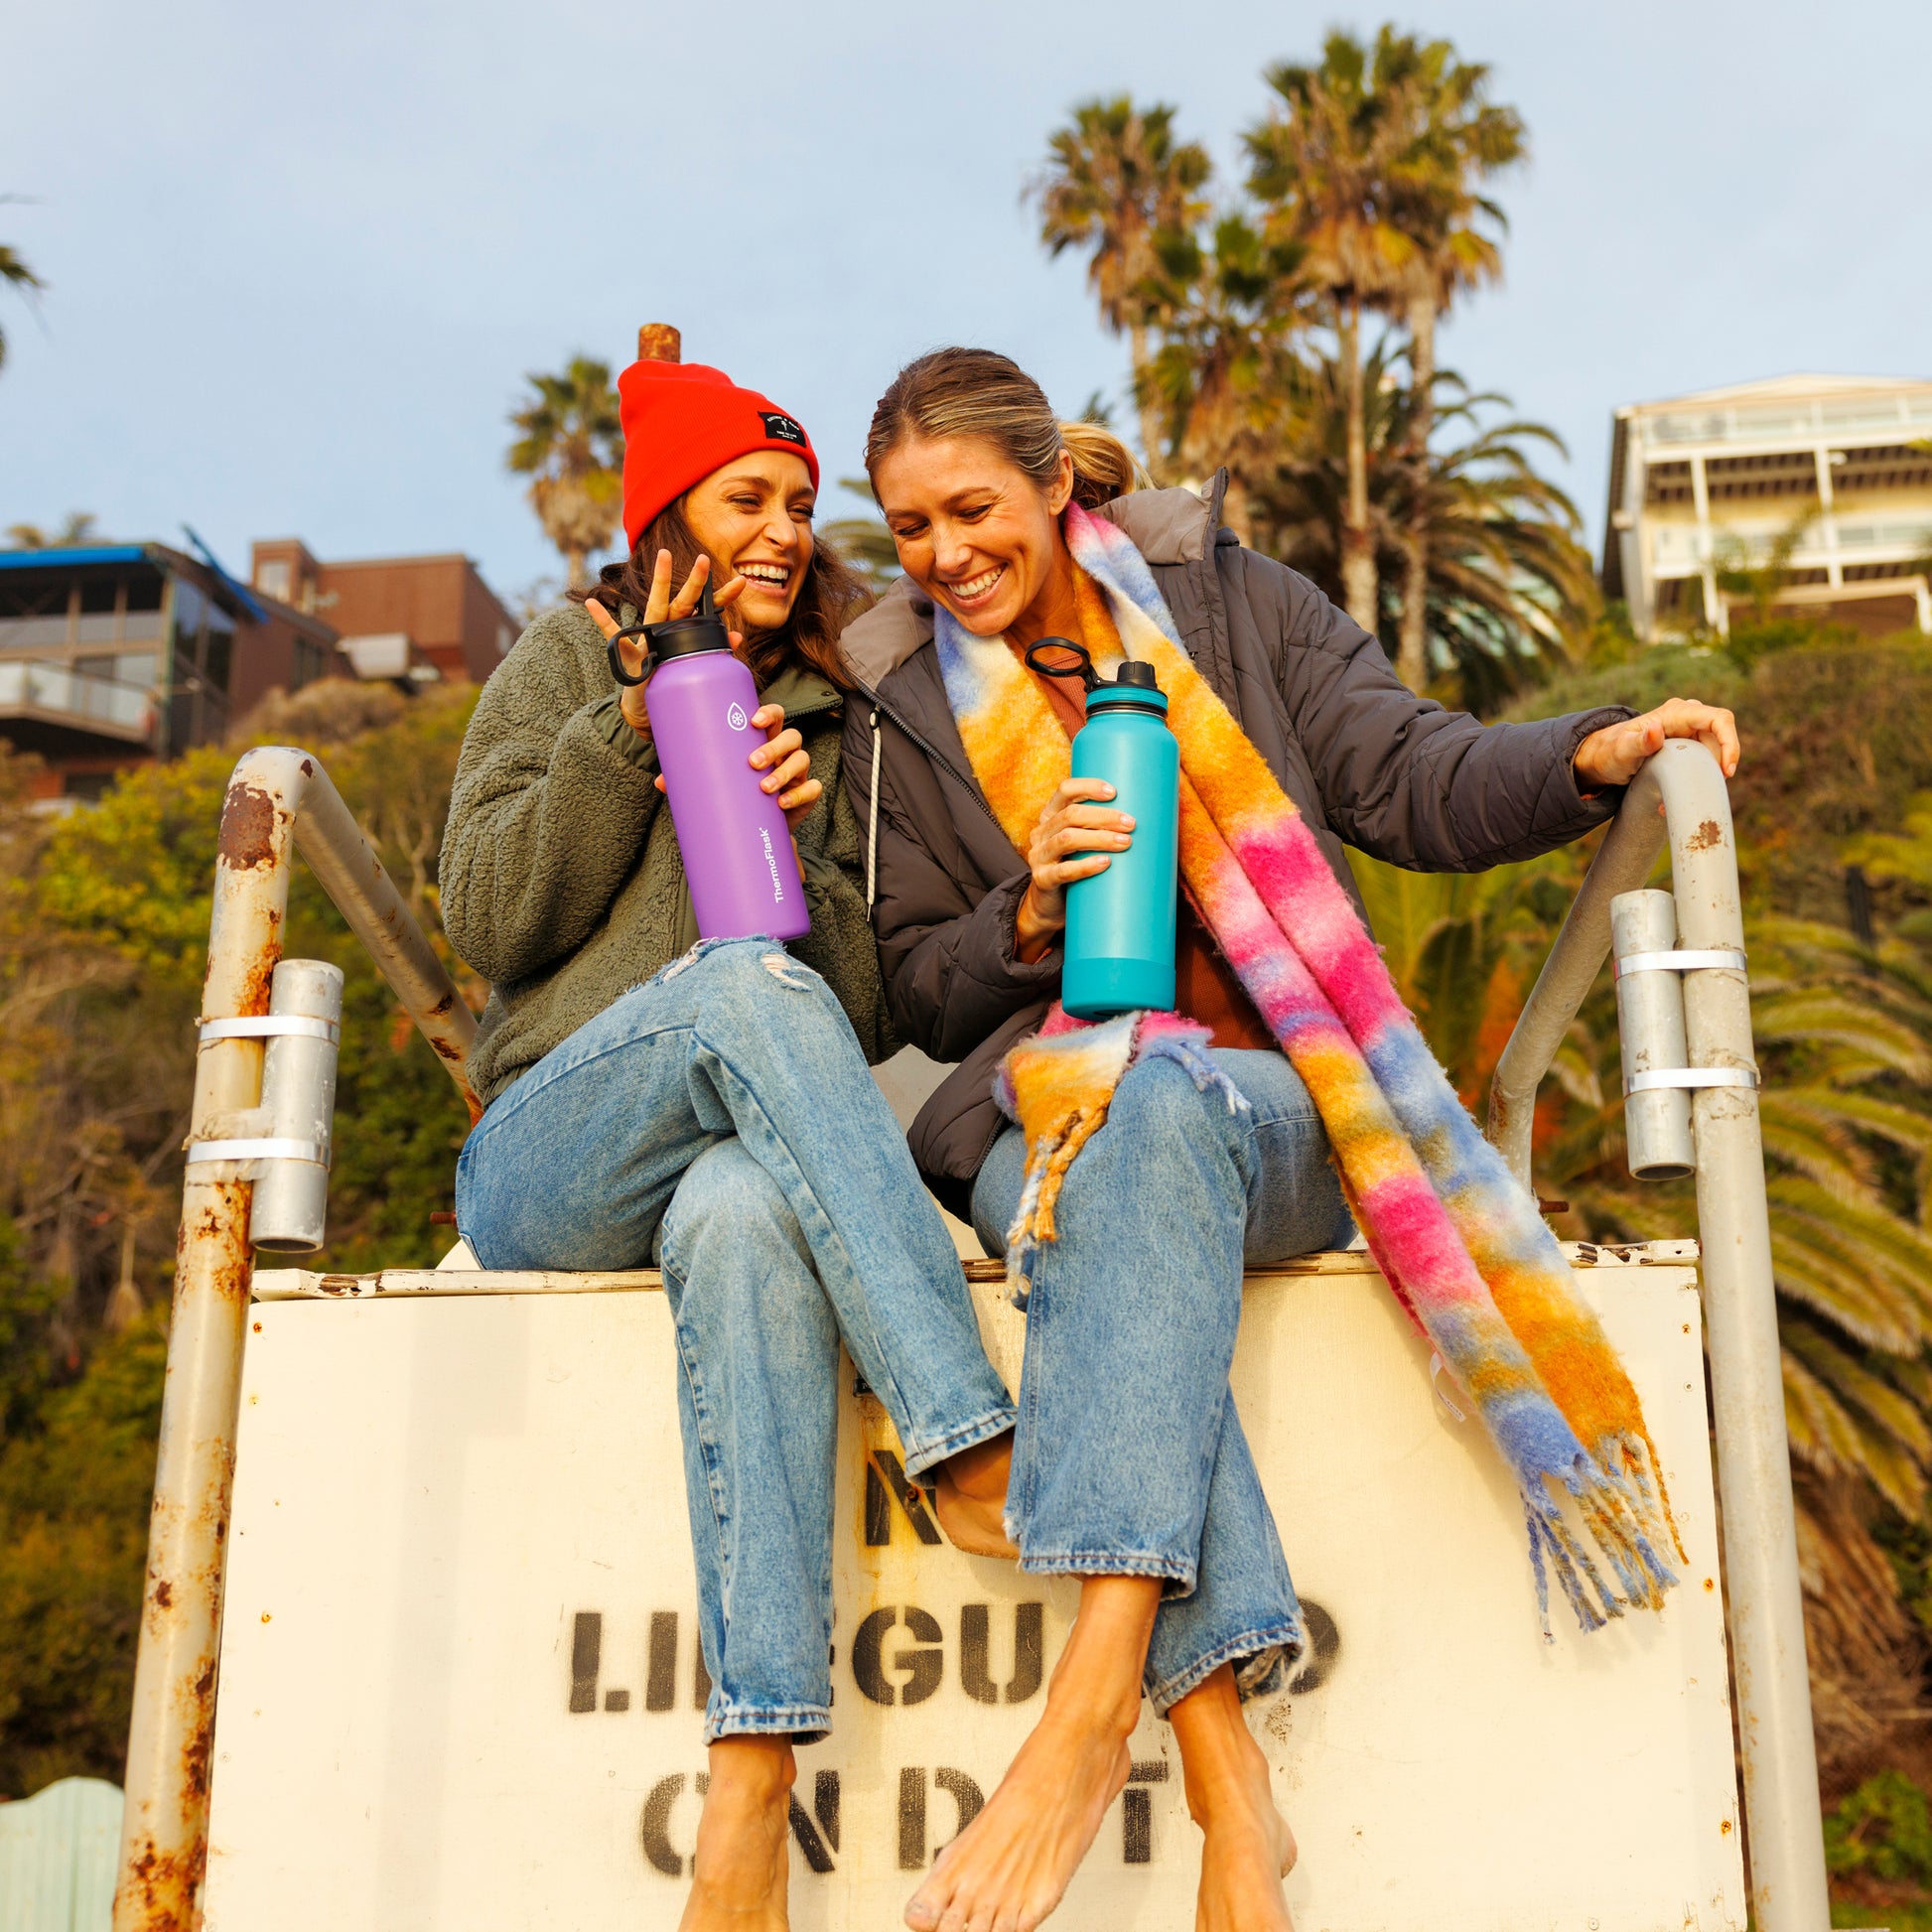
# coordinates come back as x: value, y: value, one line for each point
x: 682, y: 421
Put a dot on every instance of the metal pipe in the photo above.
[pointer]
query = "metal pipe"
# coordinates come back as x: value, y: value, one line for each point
x: 1767, y: 1610
x: 1622, y: 864
x: 290, y: 1212
x: 1650, y: 1024
x: 276, y: 798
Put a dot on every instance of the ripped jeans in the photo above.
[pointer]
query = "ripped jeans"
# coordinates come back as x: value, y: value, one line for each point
x: 1130, y: 1459
x: 720, y: 1120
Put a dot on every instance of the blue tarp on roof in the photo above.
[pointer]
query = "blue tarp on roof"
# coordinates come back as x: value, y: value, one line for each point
x: 92, y: 553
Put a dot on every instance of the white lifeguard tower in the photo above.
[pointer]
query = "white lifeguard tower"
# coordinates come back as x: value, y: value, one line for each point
x: 419, y: 1645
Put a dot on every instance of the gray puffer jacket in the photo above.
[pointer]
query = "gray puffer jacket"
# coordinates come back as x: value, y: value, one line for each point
x: 1367, y: 762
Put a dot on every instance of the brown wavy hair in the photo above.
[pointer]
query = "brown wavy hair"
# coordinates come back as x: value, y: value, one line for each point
x: 980, y: 392
x: 831, y: 596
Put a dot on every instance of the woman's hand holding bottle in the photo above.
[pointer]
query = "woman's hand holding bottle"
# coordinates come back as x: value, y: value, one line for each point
x: 1075, y: 835
x: 782, y: 758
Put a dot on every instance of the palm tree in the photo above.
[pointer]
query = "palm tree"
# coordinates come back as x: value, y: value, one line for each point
x: 1467, y: 139
x: 864, y: 541
x: 1115, y: 178
x: 1507, y: 584
x: 570, y: 443
x: 75, y: 530
x: 1329, y: 166
x: 1224, y: 375
x: 15, y: 274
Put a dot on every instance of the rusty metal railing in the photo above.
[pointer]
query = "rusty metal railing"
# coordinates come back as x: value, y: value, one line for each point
x: 279, y: 801
x: 1761, y: 1549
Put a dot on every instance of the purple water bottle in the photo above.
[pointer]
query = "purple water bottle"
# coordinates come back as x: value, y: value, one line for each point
x: 736, y: 844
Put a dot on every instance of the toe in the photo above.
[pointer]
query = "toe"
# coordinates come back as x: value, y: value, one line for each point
x: 922, y: 1912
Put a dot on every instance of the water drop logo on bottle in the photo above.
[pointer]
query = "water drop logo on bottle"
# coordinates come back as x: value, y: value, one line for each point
x: 735, y: 842
x: 1120, y: 923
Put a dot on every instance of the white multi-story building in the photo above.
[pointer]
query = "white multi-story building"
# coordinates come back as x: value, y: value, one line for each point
x: 1840, y: 464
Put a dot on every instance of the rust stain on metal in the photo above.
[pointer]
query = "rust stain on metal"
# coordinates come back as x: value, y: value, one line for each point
x: 248, y: 828
x: 162, y: 1885
x: 1707, y: 835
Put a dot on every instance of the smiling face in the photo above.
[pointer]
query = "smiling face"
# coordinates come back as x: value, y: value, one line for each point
x: 755, y: 518
x: 974, y: 532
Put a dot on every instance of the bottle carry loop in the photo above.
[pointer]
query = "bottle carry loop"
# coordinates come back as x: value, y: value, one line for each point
x: 1133, y: 678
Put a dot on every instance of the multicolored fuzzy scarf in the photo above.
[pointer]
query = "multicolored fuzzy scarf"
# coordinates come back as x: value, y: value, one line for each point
x: 1461, y: 1242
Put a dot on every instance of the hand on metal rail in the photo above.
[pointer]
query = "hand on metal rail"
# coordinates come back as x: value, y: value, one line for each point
x: 1615, y: 755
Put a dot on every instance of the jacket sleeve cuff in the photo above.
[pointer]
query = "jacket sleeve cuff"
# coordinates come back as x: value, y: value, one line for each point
x: 1564, y: 811
x: 1002, y: 905
x: 611, y: 724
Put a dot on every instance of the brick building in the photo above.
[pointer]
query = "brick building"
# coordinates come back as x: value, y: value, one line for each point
x: 395, y: 617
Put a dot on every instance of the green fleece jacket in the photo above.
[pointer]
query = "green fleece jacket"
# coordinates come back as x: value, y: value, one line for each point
x: 560, y: 880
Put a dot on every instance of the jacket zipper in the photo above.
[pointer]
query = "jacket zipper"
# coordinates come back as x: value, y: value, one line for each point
x: 932, y: 751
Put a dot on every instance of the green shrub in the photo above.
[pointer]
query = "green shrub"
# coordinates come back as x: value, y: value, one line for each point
x: 1884, y: 1830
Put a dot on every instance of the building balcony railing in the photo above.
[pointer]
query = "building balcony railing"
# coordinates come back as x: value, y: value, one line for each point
x: 1904, y: 417
x: 74, y: 699
x: 1681, y: 548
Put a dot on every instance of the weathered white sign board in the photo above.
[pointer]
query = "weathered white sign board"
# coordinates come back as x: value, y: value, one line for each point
x: 459, y: 1677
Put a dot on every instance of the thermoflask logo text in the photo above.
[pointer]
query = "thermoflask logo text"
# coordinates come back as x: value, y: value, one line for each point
x: 772, y: 863
x: 735, y: 718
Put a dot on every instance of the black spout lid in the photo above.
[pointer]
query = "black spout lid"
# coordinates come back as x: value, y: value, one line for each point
x: 1137, y: 673
x: 681, y: 636
x: 702, y: 630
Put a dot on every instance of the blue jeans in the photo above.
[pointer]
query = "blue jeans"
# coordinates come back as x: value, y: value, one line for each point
x: 721, y: 1120
x: 1129, y: 1458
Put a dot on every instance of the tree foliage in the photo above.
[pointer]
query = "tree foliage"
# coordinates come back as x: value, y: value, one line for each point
x: 570, y: 444
x: 1365, y: 196
x: 103, y: 932
x: 16, y: 275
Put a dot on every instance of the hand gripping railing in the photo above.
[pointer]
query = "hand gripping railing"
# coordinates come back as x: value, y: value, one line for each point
x: 277, y: 798
x: 1766, y: 1618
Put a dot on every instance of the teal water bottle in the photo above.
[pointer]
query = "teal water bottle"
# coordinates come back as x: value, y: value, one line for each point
x: 1120, y: 923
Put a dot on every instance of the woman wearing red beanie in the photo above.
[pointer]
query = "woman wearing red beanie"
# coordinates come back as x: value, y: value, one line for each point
x: 706, y: 1106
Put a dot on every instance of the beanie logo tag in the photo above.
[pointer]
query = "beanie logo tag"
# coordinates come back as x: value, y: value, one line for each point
x: 782, y: 429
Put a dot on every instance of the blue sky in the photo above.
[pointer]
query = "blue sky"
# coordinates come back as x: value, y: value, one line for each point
x: 300, y: 256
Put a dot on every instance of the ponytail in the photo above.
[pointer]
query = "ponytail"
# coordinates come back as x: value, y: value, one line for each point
x: 1103, y: 466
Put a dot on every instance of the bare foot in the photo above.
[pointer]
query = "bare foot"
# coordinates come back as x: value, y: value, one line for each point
x: 1245, y: 1855
x: 1247, y: 1849
x: 743, y: 1859
x: 969, y: 1497
x: 1011, y: 1866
